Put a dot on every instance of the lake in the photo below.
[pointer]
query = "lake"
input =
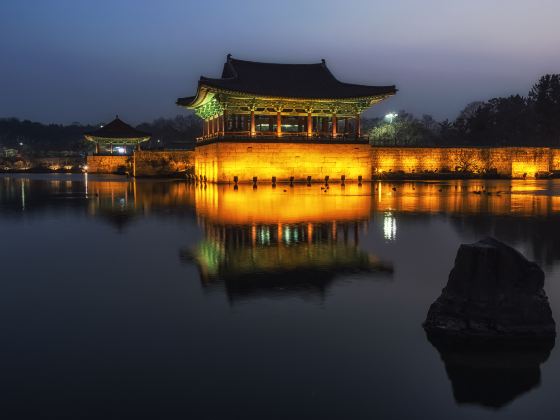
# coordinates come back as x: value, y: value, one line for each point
x: 126, y: 298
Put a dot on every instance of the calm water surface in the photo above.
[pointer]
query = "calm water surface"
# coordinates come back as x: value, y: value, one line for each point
x: 160, y: 299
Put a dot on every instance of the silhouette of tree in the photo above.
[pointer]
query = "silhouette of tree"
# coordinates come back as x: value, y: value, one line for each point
x: 544, y: 98
x: 178, y: 132
x: 499, y: 122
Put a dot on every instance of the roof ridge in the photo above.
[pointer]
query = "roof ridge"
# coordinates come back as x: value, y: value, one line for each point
x: 231, y: 59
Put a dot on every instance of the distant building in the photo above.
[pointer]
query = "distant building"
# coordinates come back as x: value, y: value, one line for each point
x: 281, y: 104
x: 8, y: 153
x: 116, y: 136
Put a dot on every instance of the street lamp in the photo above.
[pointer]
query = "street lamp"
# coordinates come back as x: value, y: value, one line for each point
x: 391, y: 116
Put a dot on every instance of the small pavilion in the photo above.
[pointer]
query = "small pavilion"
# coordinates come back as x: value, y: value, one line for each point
x: 117, y: 133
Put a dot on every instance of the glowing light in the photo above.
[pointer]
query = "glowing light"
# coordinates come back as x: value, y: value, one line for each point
x: 389, y: 226
x: 22, y: 195
x: 391, y: 116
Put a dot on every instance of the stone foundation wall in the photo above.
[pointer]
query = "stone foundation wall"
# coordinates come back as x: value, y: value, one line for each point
x: 515, y: 162
x: 156, y: 163
x: 221, y: 162
x: 555, y: 159
x: 109, y: 164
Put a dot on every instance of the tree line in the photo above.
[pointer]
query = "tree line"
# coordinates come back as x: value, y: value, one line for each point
x: 533, y: 120
x: 34, y: 138
x: 515, y: 120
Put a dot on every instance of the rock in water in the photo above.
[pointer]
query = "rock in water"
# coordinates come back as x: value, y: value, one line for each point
x: 493, y: 292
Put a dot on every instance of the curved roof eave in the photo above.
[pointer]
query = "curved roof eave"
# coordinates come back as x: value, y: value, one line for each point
x: 203, y: 94
x: 197, y: 101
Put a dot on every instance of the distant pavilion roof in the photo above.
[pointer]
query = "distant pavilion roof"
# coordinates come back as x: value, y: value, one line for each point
x: 117, y: 130
x: 298, y: 81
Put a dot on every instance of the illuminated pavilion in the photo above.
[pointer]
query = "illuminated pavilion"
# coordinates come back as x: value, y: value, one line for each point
x: 116, y: 133
x: 281, y: 105
x: 265, y: 100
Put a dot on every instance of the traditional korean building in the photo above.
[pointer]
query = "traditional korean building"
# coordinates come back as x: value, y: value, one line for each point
x: 116, y: 134
x: 285, y: 121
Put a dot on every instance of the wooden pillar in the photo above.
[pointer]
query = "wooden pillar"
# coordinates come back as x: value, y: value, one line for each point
x: 358, y: 128
x: 96, y: 148
x: 205, y: 129
x: 253, y: 127
x: 224, y: 122
x: 345, y: 125
x: 278, y: 123
x: 309, y: 125
x: 334, y: 124
x: 111, y: 147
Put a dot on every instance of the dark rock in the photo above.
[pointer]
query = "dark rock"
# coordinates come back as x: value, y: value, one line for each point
x: 493, y: 292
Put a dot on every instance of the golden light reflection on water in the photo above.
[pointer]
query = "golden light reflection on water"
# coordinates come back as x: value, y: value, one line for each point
x: 520, y: 197
x: 297, y: 231
x: 226, y: 205
x: 283, y: 204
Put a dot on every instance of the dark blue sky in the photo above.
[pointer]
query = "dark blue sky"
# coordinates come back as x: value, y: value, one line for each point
x: 80, y: 60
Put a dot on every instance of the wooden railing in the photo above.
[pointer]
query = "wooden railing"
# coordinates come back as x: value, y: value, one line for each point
x: 273, y: 136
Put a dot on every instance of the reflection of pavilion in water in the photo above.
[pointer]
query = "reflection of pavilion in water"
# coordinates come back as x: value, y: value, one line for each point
x: 279, y: 242
x: 120, y: 202
x: 522, y: 213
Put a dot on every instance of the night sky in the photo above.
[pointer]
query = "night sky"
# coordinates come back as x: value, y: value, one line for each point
x: 72, y: 60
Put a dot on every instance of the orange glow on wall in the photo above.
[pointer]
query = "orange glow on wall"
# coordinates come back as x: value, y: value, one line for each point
x: 221, y: 162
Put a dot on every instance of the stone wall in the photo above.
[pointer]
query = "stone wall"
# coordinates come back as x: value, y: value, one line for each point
x: 156, y: 163
x: 555, y: 159
x: 515, y: 162
x: 109, y: 164
x: 221, y: 162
